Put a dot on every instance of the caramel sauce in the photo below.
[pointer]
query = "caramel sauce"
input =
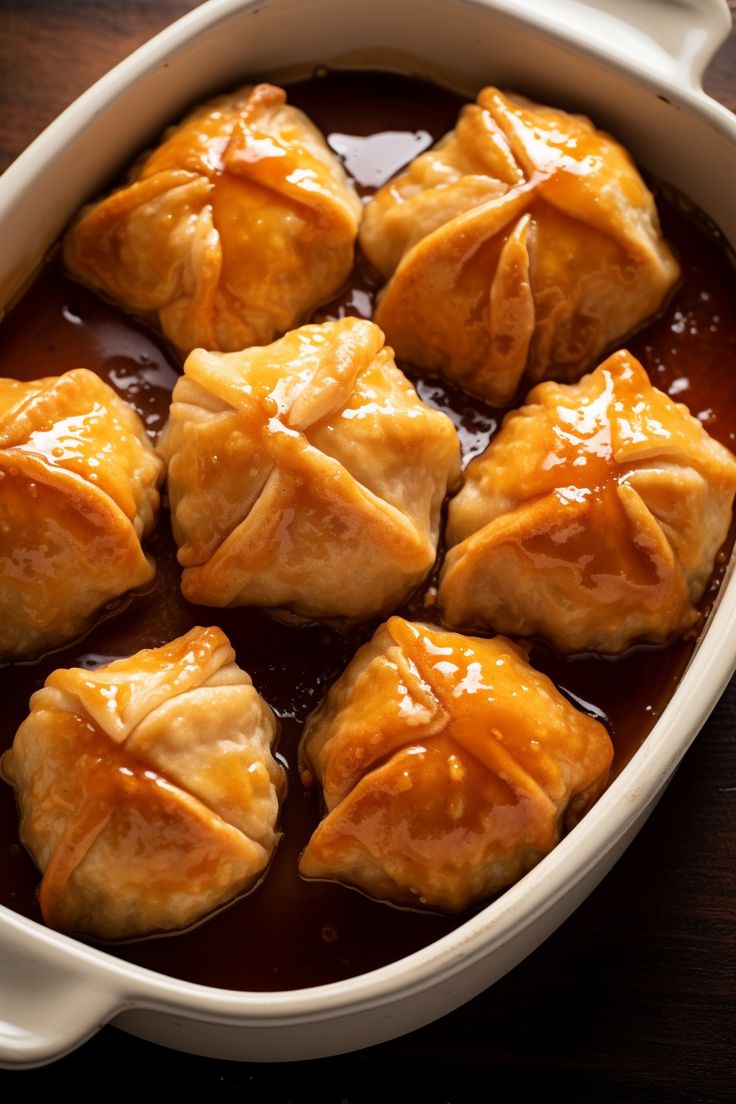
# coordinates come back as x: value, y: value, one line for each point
x: 290, y: 933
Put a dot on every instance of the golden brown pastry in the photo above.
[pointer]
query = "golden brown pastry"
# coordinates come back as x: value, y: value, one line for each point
x: 518, y: 248
x: 449, y: 767
x: 147, y: 790
x: 233, y: 230
x: 593, y: 518
x: 78, y: 493
x: 306, y: 476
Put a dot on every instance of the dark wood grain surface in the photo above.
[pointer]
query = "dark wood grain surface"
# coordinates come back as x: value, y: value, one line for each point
x: 631, y: 1000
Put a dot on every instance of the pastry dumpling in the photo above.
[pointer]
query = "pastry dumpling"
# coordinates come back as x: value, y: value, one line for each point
x: 233, y: 230
x: 147, y: 790
x: 593, y: 518
x: 519, y: 248
x: 306, y: 476
x: 449, y: 767
x: 78, y: 493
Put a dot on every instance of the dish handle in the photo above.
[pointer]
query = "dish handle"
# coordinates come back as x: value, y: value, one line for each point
x: 674, y: 39
x: 46, y: 1010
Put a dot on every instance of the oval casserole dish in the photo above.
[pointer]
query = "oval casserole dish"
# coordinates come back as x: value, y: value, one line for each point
x: 56, y: 992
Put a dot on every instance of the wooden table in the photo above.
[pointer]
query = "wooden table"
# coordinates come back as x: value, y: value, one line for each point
x: 631, y: 1000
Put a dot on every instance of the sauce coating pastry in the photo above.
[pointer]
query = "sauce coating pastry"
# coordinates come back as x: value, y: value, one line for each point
x: 148, y: 794
x: 233, y: 230
x: 307, y: 475
x: 449, y: 768
x: 520, y: 247
x: 593, y: 518
x: 78, y: 493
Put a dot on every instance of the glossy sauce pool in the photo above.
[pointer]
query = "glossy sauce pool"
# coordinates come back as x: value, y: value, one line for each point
x: 289, y: 933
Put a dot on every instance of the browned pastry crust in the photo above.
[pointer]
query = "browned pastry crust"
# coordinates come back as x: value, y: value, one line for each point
x: 593, y: 518
x: 147, y: 791
x: 233, y: 230
x: 78, y: 492
x: 306, y: 476
x: 518, y: 248
x: 449, y: 767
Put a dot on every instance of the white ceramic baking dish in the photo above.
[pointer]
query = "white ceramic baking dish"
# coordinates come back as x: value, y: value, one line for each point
x: 635, y: 66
